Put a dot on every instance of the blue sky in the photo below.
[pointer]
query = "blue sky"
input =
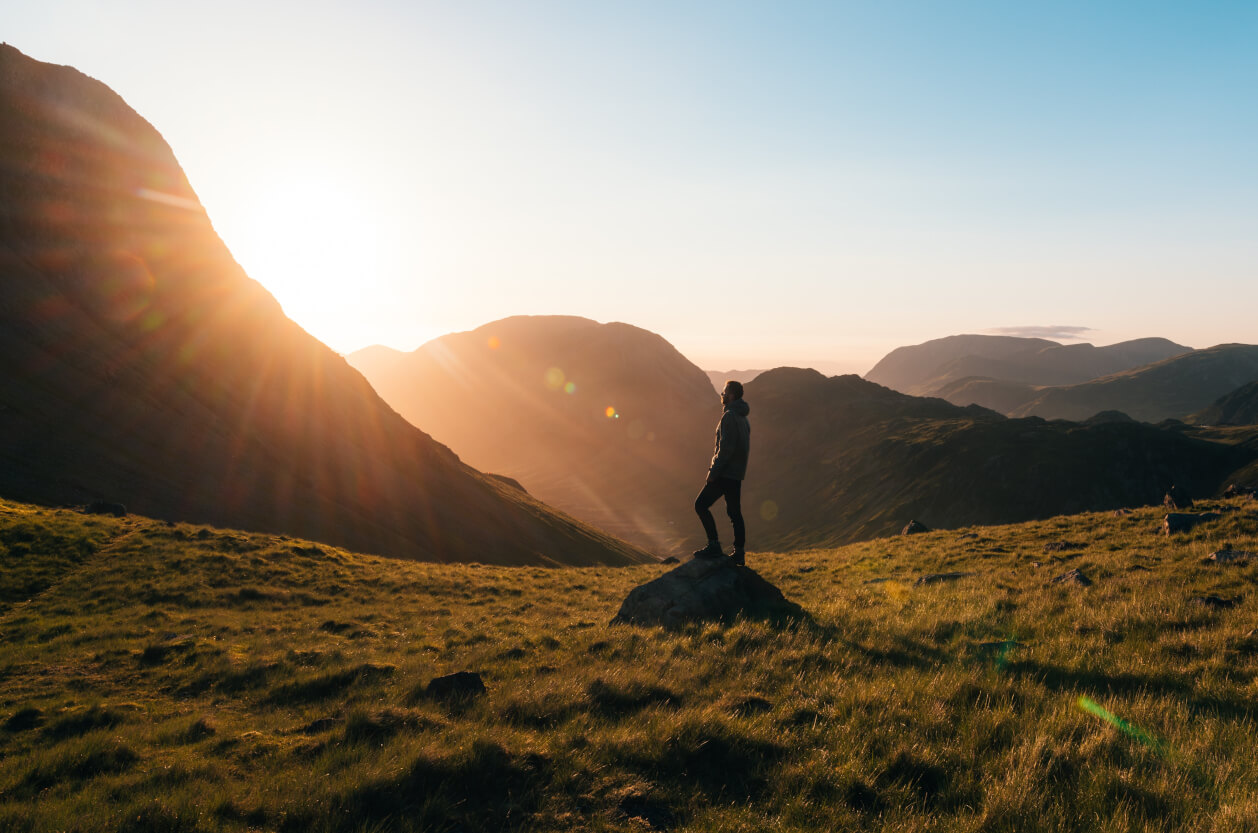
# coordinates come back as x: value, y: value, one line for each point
x: 761, y: 183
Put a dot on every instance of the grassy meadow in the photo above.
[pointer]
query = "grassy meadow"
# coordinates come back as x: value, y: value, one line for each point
x: 159, y: 677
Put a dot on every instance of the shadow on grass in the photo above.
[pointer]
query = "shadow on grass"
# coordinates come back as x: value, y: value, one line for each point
x: 1068, y: 680
x: 483, y: 788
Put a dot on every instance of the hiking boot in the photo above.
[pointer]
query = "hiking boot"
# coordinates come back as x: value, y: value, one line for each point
x: 712, y: 550
x: 739, y: 557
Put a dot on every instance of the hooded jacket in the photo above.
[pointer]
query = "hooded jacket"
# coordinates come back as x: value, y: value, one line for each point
x: 733, y: 442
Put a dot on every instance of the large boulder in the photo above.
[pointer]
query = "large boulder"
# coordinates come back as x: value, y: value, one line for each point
x: 705, y: 590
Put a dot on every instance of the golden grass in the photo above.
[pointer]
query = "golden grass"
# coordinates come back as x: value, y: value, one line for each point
x: 171, y: 678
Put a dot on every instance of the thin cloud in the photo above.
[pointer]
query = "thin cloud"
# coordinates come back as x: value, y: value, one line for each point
x: 1055, y: 332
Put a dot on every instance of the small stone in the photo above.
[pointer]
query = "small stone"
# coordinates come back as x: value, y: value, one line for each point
x: 1216, y: 602
x: 460, y: 685
x: 914, y: 528
x: 1182, y: 522
x: 1073, y: 577
x: 1228, y: 557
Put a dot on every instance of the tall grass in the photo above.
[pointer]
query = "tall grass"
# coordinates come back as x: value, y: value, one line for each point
x: 173, y: 678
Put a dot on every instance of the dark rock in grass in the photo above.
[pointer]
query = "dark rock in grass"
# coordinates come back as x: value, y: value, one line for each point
x: 1062, y: 546
x: 1073, y: 577
x: 104, y: 507
x: 672, y: 559
x: 914, y: 527
x: 1182, y: 522
x: 939, y: 578
x: 24, y: 719
x: 653, y: 814
x: 1176, y: 498
x: 967, y: 536
x: 461, y: 685
x: 705, y: 589
x: 1240, y: 491
x: 1217, y: 602
x: 1228, y: 557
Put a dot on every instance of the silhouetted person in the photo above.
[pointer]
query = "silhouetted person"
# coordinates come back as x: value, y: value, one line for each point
x: 726, y: 473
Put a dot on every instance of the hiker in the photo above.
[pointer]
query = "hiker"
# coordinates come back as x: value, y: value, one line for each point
x: 726, y: 473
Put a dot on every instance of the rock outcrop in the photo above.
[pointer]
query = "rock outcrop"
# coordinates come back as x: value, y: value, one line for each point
x: 704, y: 590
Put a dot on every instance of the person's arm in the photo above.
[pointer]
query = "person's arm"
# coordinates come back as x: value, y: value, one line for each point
x: 726, y: 442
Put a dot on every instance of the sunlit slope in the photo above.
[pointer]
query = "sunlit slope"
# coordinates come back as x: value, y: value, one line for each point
x: 841, y: 459
x: 141, y: 365
x: 162, y: 677
x: 606, y: 421
x: 1239, y: 407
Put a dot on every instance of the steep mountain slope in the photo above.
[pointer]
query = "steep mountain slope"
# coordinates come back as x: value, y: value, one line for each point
x: 842, y: 459
x: 142, y: 365
x: 1240, y: 407
x: 606, y: 421
x: 926, y: 369
x: 1170, y: 389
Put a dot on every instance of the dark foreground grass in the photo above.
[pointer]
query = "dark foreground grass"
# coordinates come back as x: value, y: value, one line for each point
x: 171, y: 678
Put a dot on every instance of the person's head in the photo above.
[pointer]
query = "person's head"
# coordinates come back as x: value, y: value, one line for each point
x: 733, y: 390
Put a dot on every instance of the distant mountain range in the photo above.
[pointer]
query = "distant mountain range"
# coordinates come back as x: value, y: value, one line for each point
x: 1148, y: 379
x: 142, y: 366
x: 928, y: 368
x: 842, y: 459
x: 720, y: 377
x: 1174, y: 388
x: 607, y: 421
x: 833, y: 459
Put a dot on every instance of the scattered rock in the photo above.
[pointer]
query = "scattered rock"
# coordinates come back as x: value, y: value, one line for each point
x: 1217, y: 602
x: 704, y: 589
x: 1062, y: 546
x: 1176, y: 498
x: 967, y: 536
x: 104, y: 507
x: 936, y: 578
x: 1228, y: 557
x: 653, y: 814
x: 1240, y: 491
x: 1181, y: 522
x: 1073, y: 577
x: 672, y: 559
x: 1036, y: 564
x: 461, y: 685
x: 1118, y: 513
x: 914, y: 527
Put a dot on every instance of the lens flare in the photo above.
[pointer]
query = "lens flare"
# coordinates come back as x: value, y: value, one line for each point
x: 768, y: 510
x: 554, y: 378
x: 1090, y: 706
x: 494, y: 343
x: 570, y: 388
x: 610, y: 412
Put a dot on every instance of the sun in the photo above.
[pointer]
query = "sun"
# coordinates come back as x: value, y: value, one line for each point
x: 311, y: 242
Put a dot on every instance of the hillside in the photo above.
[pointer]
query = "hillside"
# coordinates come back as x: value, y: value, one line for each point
x: 842, y: 459
x: 720, y: 377
x: 529, y: 397
x: 1170, y: 389
x: 1240, y: 407
x: 143, y: 366
x: 926, y: 369
x: 180, y: 678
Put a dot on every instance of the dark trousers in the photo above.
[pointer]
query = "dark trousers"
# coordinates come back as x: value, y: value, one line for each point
x: 732, y: 491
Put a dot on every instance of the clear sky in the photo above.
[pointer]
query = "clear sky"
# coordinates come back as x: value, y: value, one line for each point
x: 762, y: 183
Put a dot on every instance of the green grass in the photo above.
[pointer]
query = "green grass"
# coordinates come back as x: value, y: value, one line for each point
x: 160, y: 677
